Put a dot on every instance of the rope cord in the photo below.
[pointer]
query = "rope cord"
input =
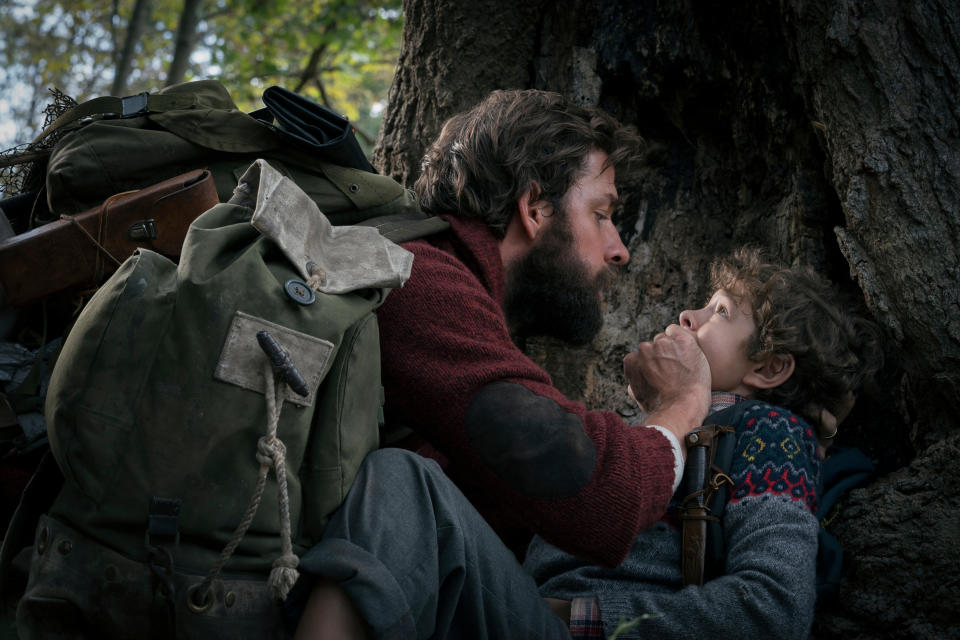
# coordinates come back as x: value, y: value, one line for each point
x: 98, y: 241
x: 284, y: 573
x: 270, y: 453
x: 318, y: 277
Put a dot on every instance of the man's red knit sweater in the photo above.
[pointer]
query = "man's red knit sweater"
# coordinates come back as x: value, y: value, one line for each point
x: 444, y: 338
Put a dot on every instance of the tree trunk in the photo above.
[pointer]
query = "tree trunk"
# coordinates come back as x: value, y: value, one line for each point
x: 135, y: 29
x: 438, y: 74
x: 826, y: 132
x: 186, y: 40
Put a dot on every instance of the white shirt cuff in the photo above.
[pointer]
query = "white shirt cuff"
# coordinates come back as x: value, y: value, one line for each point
x: 677, y: 453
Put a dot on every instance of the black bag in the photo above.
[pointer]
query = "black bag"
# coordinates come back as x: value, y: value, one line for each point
x: 313, y: 128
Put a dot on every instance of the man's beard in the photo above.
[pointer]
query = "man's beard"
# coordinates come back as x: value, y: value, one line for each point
x: 549, y: 291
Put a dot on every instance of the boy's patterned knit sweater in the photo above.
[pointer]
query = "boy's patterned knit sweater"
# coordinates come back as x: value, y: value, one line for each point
x: 770, y: 529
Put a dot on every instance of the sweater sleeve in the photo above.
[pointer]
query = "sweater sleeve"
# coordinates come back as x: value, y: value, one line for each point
x: 582, y: 479
x: 768, y: 590
x: 770, y: 531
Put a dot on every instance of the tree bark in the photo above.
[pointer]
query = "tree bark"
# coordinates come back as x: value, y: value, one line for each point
x: 135, y: 29
x: 186, y: 41
x: 882, y: 78
x: 453, y: 54
x: 826, y: 132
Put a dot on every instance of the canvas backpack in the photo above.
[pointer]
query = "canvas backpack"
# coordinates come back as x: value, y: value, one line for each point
x: 168, y: 406
x: 110, y: 145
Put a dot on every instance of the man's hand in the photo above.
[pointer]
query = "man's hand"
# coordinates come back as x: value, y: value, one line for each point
x: 828, y: 422
x: 670, y: 379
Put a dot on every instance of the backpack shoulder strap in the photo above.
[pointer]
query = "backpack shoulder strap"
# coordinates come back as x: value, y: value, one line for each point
x: 716, y: 551
x: 403, y: 227
x: 111, y: 107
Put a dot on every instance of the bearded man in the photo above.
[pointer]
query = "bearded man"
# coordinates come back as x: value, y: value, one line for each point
x: 526, y: 180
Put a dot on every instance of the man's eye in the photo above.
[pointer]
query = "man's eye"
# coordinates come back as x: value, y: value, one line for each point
x: 601, y: 216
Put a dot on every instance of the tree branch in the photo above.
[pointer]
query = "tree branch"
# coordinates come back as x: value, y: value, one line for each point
x: 323, y: 93
x: 216, y: 13
x: 310, y: 71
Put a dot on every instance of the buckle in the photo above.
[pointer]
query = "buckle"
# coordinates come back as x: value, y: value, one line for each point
x: 143, y: 230
x: 162, y: 521
x: 132, y: 106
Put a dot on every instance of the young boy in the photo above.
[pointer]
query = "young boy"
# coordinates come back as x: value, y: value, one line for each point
x: 776, y: 334
x: 420, y: 562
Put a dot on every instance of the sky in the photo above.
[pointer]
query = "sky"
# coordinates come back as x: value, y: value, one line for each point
x: 8, y: 129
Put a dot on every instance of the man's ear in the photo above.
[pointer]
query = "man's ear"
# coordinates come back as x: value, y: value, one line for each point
x: 530, y: 211
x: 771, y: 372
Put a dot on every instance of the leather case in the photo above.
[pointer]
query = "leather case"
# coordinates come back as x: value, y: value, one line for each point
x: 85, y: 248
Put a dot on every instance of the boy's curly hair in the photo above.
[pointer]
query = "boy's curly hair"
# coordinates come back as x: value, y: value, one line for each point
x: 800, y: 313
x: 485, y: 158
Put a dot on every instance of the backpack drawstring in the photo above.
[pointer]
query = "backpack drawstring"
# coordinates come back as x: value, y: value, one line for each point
x: 284, y: 573
x: 271, y: 452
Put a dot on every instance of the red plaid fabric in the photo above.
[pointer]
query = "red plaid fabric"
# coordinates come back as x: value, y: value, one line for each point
x: 723, y: 400
x: 585, y: 619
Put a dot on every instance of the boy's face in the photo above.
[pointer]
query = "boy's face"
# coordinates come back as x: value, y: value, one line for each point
x: 723, y: 330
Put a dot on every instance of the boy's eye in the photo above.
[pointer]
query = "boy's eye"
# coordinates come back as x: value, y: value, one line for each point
x: 722, y: 310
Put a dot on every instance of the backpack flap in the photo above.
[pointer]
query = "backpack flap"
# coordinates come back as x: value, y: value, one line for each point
x: 214, y: 122
x: 336, y: 259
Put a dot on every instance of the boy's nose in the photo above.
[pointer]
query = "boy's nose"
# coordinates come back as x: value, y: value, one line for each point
x: 688, y: 319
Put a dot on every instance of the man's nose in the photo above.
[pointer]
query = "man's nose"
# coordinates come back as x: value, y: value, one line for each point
x: 616, y: 251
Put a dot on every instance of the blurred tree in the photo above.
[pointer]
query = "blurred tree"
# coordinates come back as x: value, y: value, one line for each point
x: 135, y: 30
x: 339, y: 52
x: 186, y: 41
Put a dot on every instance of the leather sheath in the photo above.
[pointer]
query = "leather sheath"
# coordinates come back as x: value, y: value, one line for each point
x: 85, y: 248
x: 694, y: 545
x: 693, y: 508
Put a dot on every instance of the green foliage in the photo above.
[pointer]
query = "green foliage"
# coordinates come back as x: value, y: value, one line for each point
x: 629, y: 625
x: 339, y: 52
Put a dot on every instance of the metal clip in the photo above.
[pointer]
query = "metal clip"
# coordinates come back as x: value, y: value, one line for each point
x: 132, y: 106
x: 143, y: 230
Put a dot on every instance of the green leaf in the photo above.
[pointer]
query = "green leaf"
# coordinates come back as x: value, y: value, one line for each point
x: 629, y: 625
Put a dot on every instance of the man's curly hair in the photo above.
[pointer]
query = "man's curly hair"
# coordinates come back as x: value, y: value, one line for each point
x: 484, y: 159
x: 800, y: 313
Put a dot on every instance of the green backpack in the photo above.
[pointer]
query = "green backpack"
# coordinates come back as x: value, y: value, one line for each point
x: 173, y: 401
x: 110, y: 145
